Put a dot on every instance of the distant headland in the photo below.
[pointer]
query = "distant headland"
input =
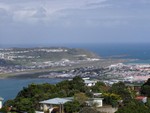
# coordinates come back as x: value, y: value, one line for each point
x: 35, y: 62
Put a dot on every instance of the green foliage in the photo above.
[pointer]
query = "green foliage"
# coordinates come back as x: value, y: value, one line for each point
x: 78, y: 84
x: 120, y: 89
x: 69, y: 88
x: 24, y: 104
x: 81, y: 98
x: 148, y: 103
x: 134, y: 107
x: 28, y: 99
x: 147, y: 82
x: 9, y: 103
x: 4, y: 109
x: 99, y: 87
x: 145, y: 88
x: 71, y: 107
x: 38, y: 92
x: 111, y: 98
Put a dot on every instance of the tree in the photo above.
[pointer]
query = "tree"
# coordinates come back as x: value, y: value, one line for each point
x: 134, y: 107
x: 120, y: 89
x: 112, y: 99
x: 78, y: 84
x: 25, y: 104
x: 71, y: 107
x: 9, y: 103
x: 147, y: 82
x: 29, y: 97
x: 99, y: 87
x: 4, y: 109
x: 145, y: 88
x: 81, y: 98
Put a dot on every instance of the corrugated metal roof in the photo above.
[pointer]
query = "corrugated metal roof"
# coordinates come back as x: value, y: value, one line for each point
x: 55, y: 101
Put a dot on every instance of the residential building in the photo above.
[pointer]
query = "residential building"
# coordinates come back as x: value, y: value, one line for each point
x: 141, y: 98
x: 53, y: 104
x: 1, y: 103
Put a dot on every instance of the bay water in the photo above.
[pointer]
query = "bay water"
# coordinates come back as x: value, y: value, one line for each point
x: 10, y: 87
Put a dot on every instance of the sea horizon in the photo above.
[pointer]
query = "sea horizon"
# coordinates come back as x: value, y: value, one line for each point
x: 138, y: 51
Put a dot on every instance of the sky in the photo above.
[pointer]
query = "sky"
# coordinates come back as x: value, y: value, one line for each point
x: 57, y: 22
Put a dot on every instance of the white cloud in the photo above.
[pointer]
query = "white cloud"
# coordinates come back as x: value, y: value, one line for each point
x: 72, y: 18
x: 26, y: 10
x: 5, y: 16
x: 40, y: 13
x: 22, y: 9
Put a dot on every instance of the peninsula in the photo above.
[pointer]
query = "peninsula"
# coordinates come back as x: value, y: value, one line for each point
x: 35, y: 62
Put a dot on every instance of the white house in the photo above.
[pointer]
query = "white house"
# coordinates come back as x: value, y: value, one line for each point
x: 1, y: 104
x: 49, y: 105
x: 90, y: 82
x: 97, y: 95
x: 97, y: 102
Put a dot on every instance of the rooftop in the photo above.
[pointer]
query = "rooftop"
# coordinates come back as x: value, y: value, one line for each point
x: 140, y: 97
x: 89, y: 81
x: 56, y: 101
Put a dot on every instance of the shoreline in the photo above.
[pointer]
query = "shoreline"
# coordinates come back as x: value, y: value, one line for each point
x: 37, y: 72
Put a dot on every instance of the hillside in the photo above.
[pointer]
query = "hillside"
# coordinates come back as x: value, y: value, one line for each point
x: 33, y: 56
x: 18, y: 61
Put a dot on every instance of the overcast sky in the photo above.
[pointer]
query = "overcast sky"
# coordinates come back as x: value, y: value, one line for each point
x: 74, y: 21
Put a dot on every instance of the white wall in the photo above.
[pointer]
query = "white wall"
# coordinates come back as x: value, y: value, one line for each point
x: 99, y: 103
x: 0, y: 104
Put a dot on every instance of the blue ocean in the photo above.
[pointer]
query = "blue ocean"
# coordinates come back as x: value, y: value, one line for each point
x: 132, y: 51
x: 126, y: 50
x: 10, y: 87
x: 139, y: 52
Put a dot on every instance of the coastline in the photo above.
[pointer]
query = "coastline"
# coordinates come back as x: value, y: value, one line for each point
x: 11, y: 87
x: 36, y: 73
x: 139, y: 61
